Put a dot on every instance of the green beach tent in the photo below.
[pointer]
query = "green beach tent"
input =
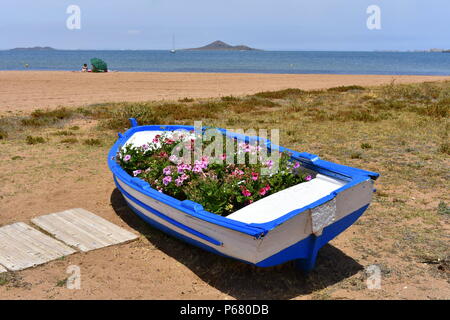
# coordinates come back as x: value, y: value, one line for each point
x: 98, y: 65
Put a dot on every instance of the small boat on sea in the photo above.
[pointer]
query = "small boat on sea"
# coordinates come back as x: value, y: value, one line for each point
x: 173, y: 50
x: 292, y: 224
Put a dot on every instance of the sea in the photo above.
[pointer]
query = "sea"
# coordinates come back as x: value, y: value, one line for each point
x: 287, y: 62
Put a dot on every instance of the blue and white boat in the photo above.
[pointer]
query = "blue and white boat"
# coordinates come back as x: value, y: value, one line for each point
x: 292, y: 224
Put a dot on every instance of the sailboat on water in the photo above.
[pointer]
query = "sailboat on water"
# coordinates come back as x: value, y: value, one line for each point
x: 173, y: 45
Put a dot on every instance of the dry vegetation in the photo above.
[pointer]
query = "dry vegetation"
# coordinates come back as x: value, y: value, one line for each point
x: 400, y: 131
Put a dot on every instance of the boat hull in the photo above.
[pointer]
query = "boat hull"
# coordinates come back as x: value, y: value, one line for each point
x: 297, y: 235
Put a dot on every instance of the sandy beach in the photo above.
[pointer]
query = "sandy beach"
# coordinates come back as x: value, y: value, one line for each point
x: 29, y: 90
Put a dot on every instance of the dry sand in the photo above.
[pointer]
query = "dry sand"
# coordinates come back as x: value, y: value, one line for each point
x: 28, y: 90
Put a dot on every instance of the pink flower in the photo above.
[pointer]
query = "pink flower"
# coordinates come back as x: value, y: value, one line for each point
x: 163, y: 154
x: 223, y: 157
x: 127, y: 158
x: 145, y: 147
x: 197, y: 168
x: 264, y: 190
x: 137, y: 172
x: 308, y: 178
x: 167, y: 171
x: 179, y: 181
x: 237, y: 172
x: 169, y: 141
x: 167, y: 180
x: 296, y: 165
x: 182, y: 167
x: 255, y: 176
x: 269, y: 164
x: 156, y: 138
x: 245, y: 192
x: 203, y: 163
x: 173, y: 158
x: 245, y: 147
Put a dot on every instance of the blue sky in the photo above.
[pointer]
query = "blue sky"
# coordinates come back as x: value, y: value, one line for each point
x: 265, y: 24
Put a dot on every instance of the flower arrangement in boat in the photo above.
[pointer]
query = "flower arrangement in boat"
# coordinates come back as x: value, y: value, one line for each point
x: 220, y: 183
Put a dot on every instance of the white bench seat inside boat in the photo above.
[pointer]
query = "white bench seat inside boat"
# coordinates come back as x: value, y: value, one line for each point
x: 141, y: 138
x: 287, y: 200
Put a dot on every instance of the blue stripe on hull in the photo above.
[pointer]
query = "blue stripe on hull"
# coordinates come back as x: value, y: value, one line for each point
x: 305, y: 250
x: 178, y: 235
x: 168, y: 219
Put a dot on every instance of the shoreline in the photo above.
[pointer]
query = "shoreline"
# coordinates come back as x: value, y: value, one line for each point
x: 243, y: 73
x: 28, y: 90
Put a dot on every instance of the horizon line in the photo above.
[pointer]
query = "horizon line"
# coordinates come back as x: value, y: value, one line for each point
x: 431, y: 50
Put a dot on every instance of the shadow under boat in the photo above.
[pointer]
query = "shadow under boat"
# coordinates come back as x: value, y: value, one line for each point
x: 240, y: 280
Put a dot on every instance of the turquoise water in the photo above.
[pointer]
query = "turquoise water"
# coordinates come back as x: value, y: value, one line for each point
x: 399, y: 63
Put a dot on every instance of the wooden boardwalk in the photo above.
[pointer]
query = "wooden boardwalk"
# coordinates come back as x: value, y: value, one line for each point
x: 23, y: 247
x: 82, y: 229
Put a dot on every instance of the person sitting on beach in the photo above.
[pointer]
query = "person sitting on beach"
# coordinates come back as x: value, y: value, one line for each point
x: 84, y: 68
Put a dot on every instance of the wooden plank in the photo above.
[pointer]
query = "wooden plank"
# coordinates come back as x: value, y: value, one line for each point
x: 83, y: 229
x: 53, y: 249
x: 116, y: 231
x: 56, y: 229
x: 22, y: 247
x: 100, y: 238
x: 106, y: 230
x: 15, y: 255
x: 16, y: 250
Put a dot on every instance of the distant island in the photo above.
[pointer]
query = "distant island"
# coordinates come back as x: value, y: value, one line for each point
x: 437, y: 50
x: 434, y: 50
x: 220, y: 45
x: 33, y: 49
